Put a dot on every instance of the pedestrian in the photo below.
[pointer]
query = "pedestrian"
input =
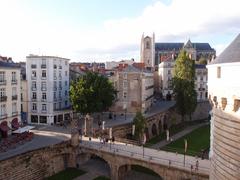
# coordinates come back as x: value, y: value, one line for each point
x: 197, y: 164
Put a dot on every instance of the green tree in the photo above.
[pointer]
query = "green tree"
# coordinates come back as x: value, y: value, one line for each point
x: 202, y: 60
x: 140, y: 123
x: 183, y: 85
x: 92, y: 93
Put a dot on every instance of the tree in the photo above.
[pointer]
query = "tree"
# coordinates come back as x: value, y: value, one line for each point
x: 92, y: 93
x: 140, y: 123
x: 202, y: 60
x: 183, y: 85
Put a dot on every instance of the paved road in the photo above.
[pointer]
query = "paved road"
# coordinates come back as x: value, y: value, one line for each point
x: 147, y: 154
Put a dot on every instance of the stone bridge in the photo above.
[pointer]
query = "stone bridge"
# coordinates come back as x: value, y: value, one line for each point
x: 120, y: 157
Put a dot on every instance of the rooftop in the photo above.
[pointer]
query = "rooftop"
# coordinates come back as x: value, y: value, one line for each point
x: 9, y: 65
x: 230, y: 54
x: 37, y: 56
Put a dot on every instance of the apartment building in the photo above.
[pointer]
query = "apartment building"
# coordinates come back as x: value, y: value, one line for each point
x: 48, y: 89
x: 10, y: 101
x: 135, y: 89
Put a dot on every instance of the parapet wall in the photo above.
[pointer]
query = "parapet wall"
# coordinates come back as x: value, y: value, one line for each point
x: 37, y: 164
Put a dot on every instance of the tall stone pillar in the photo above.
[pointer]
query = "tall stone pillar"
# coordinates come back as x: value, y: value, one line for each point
x: 88, y: 126
x: 74, y: 132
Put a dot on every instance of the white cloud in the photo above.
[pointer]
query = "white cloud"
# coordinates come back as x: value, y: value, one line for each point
x: 23, y: 31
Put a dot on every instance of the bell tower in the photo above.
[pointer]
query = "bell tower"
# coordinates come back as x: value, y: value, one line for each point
x: 148, y: 50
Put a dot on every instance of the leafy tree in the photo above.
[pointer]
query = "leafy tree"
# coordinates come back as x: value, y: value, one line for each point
x: 92, y: 93
x: 183, y: 85
x: 140, y: 123
x: 203, y: 61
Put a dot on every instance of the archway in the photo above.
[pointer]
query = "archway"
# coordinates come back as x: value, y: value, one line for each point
x: 160, y: 126
x: 137, y: 172
x: 154, y: 130
x: 93, y: 164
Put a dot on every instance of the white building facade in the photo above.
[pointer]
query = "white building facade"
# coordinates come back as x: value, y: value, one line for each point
x: 10, y: 102
x: 48, y: 89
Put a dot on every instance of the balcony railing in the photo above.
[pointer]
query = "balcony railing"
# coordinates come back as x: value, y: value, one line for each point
x: 34, y: 88
x: 3, y: 116
x: 34, y: 99
x: 14, y: 81
x: 43, y: 77
x: 34, y: 110
x: 44, y: 111
x: 33, y: 66
x: 3, y: 82
x: 3, y: 98
x: 14, y: 113
x: 43, y: 100
x: 34, y: 77
x: 14, y: 97
x: 43, y: 88
x: 43, y: 66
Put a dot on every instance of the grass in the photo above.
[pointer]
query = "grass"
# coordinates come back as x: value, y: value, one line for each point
x: 101, y: 178
x: 67, y: 174
x: 143, y: 170
x: 172, y: 130
x: 197, y: 140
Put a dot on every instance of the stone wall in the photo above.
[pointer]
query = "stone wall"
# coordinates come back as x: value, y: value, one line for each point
x: 38, y: 164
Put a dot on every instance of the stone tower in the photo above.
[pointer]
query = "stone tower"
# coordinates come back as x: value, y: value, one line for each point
x: 224, y: 95
x: 148, y: 50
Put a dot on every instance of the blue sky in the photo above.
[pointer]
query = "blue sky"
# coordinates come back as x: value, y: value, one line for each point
x: 104, y: 30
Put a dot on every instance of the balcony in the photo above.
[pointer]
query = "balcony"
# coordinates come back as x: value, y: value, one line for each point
x: 43, y: 88
x: 3, y: 82
x: 14, y: 81
x: 34, y: 110
x: 14, y: 113
x: 14, y: 97
x: 34, y: 88
x: 3, y: 98
x: 34, y: 99
x: 43, y: 77
x: 44, y: 111
x: 43, y: 66
x: 43, y: 100
x: 34, y: 77
x: 3, y: 116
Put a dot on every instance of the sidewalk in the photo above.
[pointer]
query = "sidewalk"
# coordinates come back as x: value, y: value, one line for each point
x: 177, y: 136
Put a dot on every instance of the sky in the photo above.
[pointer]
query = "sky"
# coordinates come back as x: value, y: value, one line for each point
x: 106, y: 30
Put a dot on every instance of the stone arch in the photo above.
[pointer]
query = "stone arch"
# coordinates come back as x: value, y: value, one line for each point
x: 159, y: 126
x: 154, y: 129
x: 124, y: 170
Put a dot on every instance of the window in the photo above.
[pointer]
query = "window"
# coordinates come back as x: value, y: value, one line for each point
x: 21, y: 107
x: 66, y: 103
x: 44, y: 73
x: 34, y: 119
x: 34, y: 106
x: 43, y: 119
x: 125, y: 75
x: 3, y: 110
x: 43, y: 86
x: 14, y: 91
x: 2, y: 92
x: 14, y: 77
x: 55, y: 85
x: 125, y: 84
x: 147, y: 45
x: 66, y: 63
x: 201, y: 78
x: 55, y: 95
x: 44, y: 61
x: 34, y: 95
x: 218, y: 72
x: 66, y: 93
x: 66, y: 73
x: 34, y: 74
x: 55, y: 106
x: 60, y: 84
x: 44, y: 96
x: 2, y: 77
x: 34, y: 85
x: 33, y: 66
x: 54, y: 74
x: 169, y: 71
x: 59, y: 94
x: 55, y: 66
x: 124, y: 95
x: 14, y: 108
x: 60, y: 105
x: 66, y: 83
x: 60, y: 74
x: 44, y: 107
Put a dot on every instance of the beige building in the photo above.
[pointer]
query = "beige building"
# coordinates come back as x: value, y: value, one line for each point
x: 135, y: 89
x: 224, y: 95
x: 10, y: 101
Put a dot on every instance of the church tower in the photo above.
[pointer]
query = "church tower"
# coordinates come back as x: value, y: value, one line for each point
x: 148, y: 50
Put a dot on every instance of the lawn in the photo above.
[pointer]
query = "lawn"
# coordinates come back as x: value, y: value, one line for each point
x: 101, y: 178
x: 197, y: 140
x: 67, y: 174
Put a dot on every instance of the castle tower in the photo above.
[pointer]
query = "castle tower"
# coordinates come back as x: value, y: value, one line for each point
x: 224, y: 95
x: 148, y: 50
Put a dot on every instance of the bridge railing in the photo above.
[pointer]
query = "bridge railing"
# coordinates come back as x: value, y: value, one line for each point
x: 159, y: 157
